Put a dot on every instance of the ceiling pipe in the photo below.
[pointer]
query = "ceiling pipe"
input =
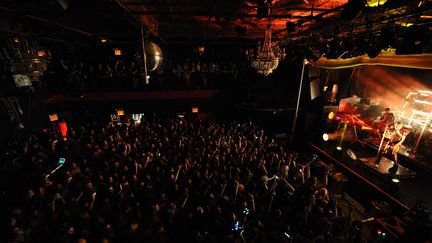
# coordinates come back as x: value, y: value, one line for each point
x: 356, y: 30
x: 141, y: 3
x: 310, y: 18
x: 205, y: 14
x: 40, y: 19
x: 230, y: 18
x: 60, y: 25
x: 140, y: 23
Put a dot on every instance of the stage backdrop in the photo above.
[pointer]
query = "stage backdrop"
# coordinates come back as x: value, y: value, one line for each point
x: 386, y: 86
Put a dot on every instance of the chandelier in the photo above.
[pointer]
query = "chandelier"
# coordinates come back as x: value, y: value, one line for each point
x: 25, y: 60
x: 266, y: 59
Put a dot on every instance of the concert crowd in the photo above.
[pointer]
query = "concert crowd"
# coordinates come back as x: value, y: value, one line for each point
x: 122, y: 74
x: 172, y: 180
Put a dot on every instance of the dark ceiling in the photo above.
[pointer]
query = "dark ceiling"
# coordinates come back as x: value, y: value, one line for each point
x: 299, y: 21
x: 224, y: 18
x: 73, y: 21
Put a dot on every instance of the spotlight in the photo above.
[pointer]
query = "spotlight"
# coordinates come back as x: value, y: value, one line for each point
x: 120, y: 112
x: 41, y: 53
x: 117, y: 52
x: 325, y: 137
x: 351, y: 154
x: 420, y: 3
x: 395, y: 180
x: 104, y: 40
x: 201, y: 50
x: 375, y: 3
x: 331, y: 115
x: 381, y: 233
x: 339, y: 148
x: 53, y: 117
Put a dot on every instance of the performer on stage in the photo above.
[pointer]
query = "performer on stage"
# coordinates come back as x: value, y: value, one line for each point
x: 386, y: 119
x: 393, y: 138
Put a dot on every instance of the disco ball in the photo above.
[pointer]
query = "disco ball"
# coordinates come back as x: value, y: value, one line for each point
x: 154, y: 56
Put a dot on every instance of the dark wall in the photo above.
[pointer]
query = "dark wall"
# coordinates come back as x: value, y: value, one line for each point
x: 33, y: 119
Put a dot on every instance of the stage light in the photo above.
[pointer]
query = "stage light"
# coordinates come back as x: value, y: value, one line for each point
x: 379, y: 232
x: 325, y: 137
x: 201, y: 50
x: 404, y: 24
x: 195, y: 109
x: 53, y: 117
x: 63, y: 129
x: 421, y: 2
x: 41, y: 53
x: 331, y: 115
x: 375, y: 3
x: 117, y: 52
x: 339, y: 148
x: 104, y: 40
x: 423, y: 91
x: 423, y: 102
x: 351, y: 154
x: 395, y: 180
x: 368, y: 220
x: 120, y: 112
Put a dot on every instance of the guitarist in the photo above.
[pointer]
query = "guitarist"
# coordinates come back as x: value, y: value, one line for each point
x: 392, y: 143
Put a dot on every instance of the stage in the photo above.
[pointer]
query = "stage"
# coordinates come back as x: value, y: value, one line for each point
x: 418, y: 162
x: 367, y: 182
x: 384, y: 168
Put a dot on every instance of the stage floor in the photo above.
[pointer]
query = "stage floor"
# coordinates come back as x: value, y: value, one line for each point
x: 411, y: 188
x: 384, y: 166
x: 420, y: 161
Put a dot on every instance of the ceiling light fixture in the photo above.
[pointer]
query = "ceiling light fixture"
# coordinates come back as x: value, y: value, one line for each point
x: 24, y: 58
x: 266, y: 60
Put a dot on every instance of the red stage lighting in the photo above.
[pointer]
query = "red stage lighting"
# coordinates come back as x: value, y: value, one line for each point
x: 63, y: 129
